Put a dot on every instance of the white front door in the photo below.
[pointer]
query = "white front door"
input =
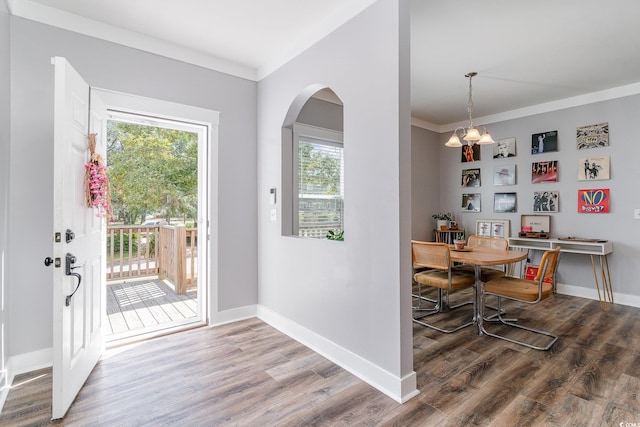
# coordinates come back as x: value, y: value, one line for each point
x: 77, y: 313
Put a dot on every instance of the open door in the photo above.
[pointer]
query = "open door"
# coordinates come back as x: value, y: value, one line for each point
x: 79, y: 239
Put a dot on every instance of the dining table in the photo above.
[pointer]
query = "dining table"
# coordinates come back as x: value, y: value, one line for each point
x: 483, y: 257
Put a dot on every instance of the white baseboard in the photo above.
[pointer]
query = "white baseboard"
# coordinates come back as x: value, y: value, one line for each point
x: 22, y: 363
x: 399, y: 389
x: 592, y: 293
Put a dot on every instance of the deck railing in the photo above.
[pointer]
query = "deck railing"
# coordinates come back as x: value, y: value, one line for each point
x: 168, y: 252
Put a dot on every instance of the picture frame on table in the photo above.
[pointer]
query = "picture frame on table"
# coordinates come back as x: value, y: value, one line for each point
x: 493, y: 228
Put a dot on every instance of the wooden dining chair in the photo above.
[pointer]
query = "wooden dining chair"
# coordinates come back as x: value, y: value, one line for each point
x: 435, y: 257
x: 527, y: 291
x: 486, y: 273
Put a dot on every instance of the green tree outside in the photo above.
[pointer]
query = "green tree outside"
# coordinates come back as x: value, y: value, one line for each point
x: 151, y: 170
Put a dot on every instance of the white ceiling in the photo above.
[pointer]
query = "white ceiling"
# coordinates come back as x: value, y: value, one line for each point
x: 525, y: 53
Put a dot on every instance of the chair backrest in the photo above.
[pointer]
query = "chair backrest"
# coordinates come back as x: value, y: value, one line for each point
x: 548, y: 265
x: 488, y: 242
x: 430, y: 254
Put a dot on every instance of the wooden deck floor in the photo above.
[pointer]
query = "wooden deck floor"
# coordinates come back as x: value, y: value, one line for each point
x: 145, y: 305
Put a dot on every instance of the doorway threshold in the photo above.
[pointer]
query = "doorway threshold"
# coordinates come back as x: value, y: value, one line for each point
x: 139, y: 335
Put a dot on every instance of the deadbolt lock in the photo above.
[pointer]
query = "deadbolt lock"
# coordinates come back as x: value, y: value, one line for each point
x: 56, y: 263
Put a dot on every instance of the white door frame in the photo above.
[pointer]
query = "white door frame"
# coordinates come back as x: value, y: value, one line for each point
x: 207, y: 178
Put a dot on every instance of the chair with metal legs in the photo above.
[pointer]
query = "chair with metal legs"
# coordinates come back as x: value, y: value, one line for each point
x: 527, y: 291
x: 435, y: 257
x: 417, y: 306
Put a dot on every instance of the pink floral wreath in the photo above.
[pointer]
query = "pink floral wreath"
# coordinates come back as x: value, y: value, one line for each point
x: 97, y: 182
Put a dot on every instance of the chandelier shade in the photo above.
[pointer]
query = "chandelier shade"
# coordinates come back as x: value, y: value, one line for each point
x: 471, y: 134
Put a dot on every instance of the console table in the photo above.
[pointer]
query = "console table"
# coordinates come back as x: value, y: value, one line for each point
x: 600, y: 248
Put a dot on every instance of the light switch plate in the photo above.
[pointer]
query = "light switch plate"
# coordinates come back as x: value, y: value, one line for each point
x: 636, y: 214
x: 274, y: 215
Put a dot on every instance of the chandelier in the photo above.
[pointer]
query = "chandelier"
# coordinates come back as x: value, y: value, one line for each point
x: 471, y: 134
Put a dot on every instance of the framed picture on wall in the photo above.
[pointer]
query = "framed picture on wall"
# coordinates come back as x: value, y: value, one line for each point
x: 471, y: 177
x: 544, y: 172
x: 545, y: 201
x: 504, y: 202
x: 544, y: 142
x: 593, y: 200
x: 471, y: 202
x: 592, y: 136
x: 504, y: 175
x: 504, y: 148
x: 470, y: 153
x: 593, y: 168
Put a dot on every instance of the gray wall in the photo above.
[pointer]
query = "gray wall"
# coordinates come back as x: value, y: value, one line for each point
x: 617, y: 226
x: 348, y: 293
x: 425, y: 182
x: 111, y: 66
x: 5, y: 122
x: 322, y: 114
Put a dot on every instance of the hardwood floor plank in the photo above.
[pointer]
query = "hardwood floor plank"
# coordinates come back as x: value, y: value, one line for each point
x: 633, y: 368
x: 598, y: 380
x: 575, y: 411
x: 558, y: 375
x: 521, y: 412
x: 414, y: 413
x: 498, y: 393
x: 624, y: 405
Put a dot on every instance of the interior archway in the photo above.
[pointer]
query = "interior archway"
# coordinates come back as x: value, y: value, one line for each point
x: 317, y: 116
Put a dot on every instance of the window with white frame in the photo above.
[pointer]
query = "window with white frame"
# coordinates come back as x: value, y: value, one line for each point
x: 318, y: 181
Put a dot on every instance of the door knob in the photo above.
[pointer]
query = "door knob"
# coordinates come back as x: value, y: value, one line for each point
x: 48, y: 261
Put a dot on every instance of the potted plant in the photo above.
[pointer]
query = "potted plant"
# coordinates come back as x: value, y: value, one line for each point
x: 442, y: 220
x: 459, y: 241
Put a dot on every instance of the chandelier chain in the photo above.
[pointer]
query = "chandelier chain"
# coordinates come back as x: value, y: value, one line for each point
x: 470, y: 104
x: 471, y: 135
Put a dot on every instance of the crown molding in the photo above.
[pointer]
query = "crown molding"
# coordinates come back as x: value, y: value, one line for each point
x: 576, y: 101
x: 58, y: 18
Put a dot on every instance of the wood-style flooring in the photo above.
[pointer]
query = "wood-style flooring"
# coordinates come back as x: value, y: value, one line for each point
x: 249, y: 374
